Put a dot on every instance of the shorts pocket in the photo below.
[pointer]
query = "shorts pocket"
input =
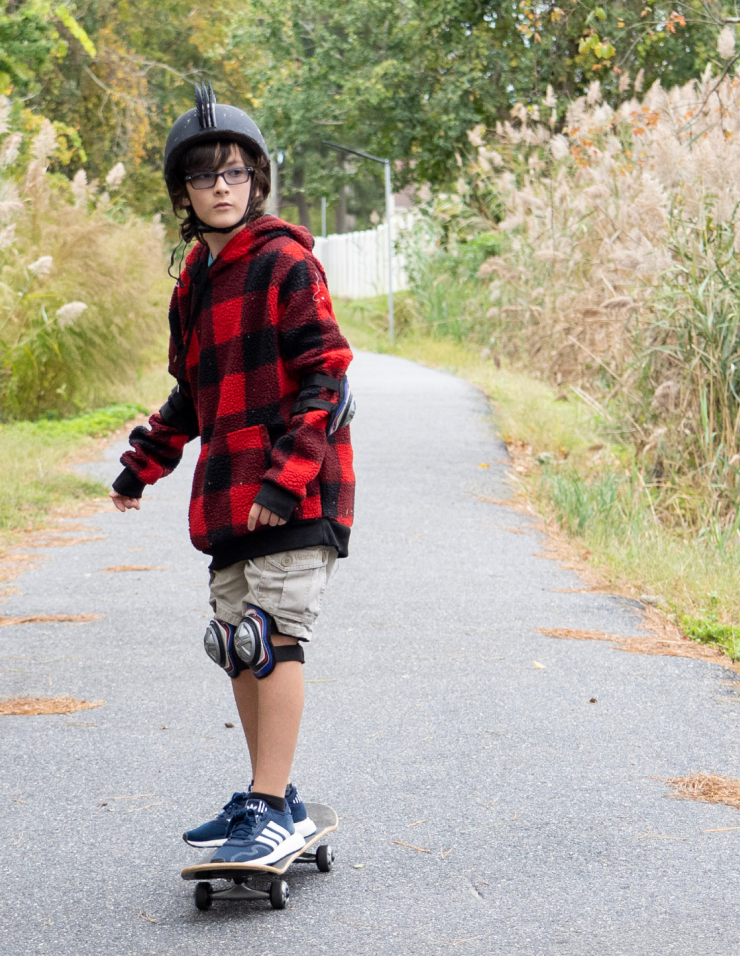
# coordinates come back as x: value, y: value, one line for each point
x: 292, y: 584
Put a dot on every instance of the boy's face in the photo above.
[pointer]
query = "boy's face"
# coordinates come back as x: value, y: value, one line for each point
x: 221, y: 205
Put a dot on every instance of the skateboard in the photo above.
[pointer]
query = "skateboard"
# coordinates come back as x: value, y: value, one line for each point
x: 238, y: 874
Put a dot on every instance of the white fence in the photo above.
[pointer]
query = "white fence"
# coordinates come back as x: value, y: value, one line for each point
x: 356, y: 263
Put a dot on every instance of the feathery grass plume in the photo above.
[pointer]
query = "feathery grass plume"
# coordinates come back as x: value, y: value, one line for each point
x: 606, y: 257
x: 69, y: 313
x: 80, y: 189
x: 10, y: 149
x: 726, y: 42
x: 115, y: 177
x: 80, y: 287
x: 42, y: 266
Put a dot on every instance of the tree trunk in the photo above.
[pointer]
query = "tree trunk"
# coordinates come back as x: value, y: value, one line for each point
x: 300, y: 197
x: 340, y: 215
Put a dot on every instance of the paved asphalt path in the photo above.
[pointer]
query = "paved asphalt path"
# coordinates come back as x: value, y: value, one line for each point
x: 426, y: 723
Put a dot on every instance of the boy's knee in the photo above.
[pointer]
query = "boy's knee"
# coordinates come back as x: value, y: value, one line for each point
x: 251, y: 645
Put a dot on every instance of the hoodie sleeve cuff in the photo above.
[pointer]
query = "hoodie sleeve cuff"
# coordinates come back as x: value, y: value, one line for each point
x: 277, y: 499
x: 128, y: 485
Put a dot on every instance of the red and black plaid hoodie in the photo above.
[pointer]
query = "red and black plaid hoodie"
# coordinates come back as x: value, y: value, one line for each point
x: 253, y: 345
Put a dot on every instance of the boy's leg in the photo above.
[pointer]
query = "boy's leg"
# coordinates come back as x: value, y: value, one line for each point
x: 280, y: 708
x: 246, y: 690
x: 270, y: 711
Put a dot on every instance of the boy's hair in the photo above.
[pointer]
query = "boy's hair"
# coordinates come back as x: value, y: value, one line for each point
x: 209, y: 156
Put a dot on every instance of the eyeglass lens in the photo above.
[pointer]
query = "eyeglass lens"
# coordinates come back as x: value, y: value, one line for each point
x: 233, y: 177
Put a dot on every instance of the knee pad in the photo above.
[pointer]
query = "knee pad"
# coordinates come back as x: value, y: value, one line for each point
x: 219, y: 646
x: 247, y: 646
x: 253, y: 644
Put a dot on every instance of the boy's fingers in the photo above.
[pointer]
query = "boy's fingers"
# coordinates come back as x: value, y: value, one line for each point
x: 258, y: 514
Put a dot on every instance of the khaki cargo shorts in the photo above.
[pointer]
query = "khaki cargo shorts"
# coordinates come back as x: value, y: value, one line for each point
x: 288, y: 585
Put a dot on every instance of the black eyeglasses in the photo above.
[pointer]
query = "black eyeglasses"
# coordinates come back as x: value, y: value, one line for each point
x: 232, y: 177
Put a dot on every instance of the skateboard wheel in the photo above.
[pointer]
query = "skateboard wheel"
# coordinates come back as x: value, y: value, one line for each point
x: 279, y: 894
x: 324, y: 858
x: 203, y: 896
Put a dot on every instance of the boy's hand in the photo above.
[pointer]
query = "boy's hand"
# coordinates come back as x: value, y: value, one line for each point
x: 260, y: 515
x: 123, y: 503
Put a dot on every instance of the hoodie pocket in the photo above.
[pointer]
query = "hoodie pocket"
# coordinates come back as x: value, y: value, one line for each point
x: 227, y: 477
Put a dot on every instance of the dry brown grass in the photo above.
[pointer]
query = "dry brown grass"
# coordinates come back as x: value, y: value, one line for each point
x: 50, y: 619
x: 58, y: 540
x: 664, y: 641
x: 707, y: 787
x: 33, y: 706
x: 136, y: 567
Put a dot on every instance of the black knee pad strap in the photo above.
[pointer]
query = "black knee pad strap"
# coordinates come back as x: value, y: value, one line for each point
x: 289, y: 652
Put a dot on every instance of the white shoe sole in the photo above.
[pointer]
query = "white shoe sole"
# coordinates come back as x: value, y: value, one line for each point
x: 205, y: 844
x: 305, y: 827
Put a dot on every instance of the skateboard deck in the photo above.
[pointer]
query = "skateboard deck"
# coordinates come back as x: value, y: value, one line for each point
x: 326, y: 821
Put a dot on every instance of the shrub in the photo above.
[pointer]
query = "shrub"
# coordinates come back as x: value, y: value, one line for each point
x: 80, y: 284
x: 616, y: 273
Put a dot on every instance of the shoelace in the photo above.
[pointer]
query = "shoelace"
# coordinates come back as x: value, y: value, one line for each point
x: 243, y: 823
x: 234, y: 805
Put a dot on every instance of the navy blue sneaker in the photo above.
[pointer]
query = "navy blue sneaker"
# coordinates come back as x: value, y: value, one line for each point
x: 301, y: 820
x: 214, y: 832
x: 259, y: 834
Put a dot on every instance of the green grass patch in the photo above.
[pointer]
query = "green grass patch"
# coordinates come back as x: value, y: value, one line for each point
x: 585, y: 482
x: 35, y: 455
x: 709, y: 630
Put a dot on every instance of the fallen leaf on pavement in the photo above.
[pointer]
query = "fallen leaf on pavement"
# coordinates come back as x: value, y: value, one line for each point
x: 59, y: 541
x: 707, y: 787
x: 136, y: 567
x: 50, y: 619
x: 34, y: 706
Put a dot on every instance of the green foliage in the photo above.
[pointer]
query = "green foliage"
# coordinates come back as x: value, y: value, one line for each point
x: 96, y: 424
x: 400, y: 78
x: 709, y: 630
x: 80, y: 286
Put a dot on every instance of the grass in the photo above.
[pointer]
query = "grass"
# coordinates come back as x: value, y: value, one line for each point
x: 584, y: 483
x: 35, y: 455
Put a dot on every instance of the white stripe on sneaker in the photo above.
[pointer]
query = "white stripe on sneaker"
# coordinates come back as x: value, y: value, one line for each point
x: 293, y: 844
x: 272, y: 842
x: 276, y: 828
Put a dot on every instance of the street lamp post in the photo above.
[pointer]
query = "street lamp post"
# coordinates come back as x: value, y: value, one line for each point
x: 389, y: 219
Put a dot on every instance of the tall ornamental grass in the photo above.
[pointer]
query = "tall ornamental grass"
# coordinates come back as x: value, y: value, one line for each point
x: 604, y: 258
x: 80, y: 283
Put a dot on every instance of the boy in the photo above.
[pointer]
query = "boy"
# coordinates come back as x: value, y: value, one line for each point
x: 260, y: 367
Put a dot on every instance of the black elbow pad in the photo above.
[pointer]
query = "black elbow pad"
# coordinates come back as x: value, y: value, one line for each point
x: 341, y: 412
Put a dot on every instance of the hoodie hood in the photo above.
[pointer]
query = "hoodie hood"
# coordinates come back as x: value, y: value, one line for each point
x: 254, y: 239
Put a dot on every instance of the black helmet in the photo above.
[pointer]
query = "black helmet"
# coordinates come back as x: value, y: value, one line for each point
x: 211, y: 121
